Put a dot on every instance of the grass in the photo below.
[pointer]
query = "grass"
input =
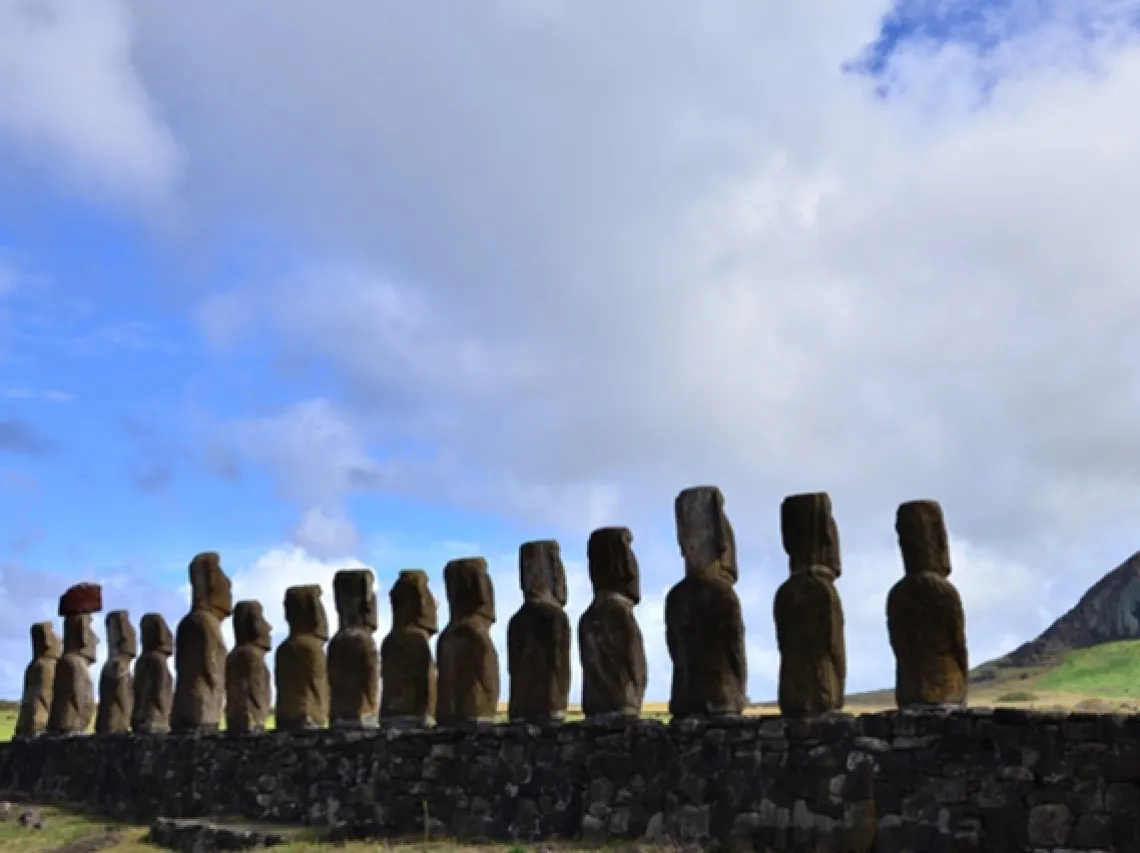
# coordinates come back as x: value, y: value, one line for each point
x: 68, y: 831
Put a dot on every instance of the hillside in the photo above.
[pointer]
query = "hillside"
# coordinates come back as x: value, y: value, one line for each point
x: 1088, y: 657
x: 1109, y: 611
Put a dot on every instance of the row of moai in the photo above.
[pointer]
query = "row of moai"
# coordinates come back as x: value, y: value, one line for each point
x: 351, y: 683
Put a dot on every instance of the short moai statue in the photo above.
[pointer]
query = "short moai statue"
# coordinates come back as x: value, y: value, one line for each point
x: 154, y: 686
x: 538, y: 638
x: 704, y: 626
x: 807, y: 610
x: 35, y: 702
x: 468, y: 662
x: 249, y: 692
x: 925, y: 618
x: 610, y: 645
x: 407, y: 670
x: 116, y: 687
x: 200, y: 649
x: 353, y: 662
x: 73, y: 694
x: 300, y: 667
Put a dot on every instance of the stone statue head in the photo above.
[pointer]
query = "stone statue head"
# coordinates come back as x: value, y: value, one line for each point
x: 45, y: 642
x: 612, y: 563
x: 704, y: 533
x: 469, y: 589
x: 305, y: 613
x: 78, y: 638
x: 923, y: 539
x: 156, y: 636
x: 809, y: 531
x: 355, y: 594
x: 210, y: 588
x: 413, y: 605
x: 251, y: 627
x: 541, y: 573
x: 121, y: 638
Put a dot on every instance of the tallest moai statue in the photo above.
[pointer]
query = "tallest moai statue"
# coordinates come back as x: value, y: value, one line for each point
x: 200, y: 649
x: 704, y: 626
x: 807, y: 610
x: 925, y: 617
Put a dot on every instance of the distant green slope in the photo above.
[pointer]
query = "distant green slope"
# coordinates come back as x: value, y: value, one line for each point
x: 1108, y: 671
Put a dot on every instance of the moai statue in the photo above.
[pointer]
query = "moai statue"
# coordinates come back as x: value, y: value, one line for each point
x: 612, y: 651
x: 249, y: 695
x: 154, y: 686
x: 925, y: 619
x: 35, y: 703
x: 807, y: 610
x: 300, y: 668
x: 73, y: 695
x: 200, y: 649
x: 704, y: 628
x: 353, y: 663
x: 538, y: 638
x: 116, y: 687
x: 407, y: 671
x: 468, y: 662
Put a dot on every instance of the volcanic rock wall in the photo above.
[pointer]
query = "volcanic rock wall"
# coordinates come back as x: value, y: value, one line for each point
x: 961, y: 781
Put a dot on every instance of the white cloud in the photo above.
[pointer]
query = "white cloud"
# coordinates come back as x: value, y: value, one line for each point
x: 326, y: 534
x: 47, y: 395
x: 72, y: 105
x: 566, y: 261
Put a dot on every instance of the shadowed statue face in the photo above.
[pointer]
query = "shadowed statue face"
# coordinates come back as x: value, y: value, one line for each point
x: 413, y: 605
x: 79, y: 638
x: 612, y: 564
x: 304, y: 611
x: 469, y: 589
x: 251, y: 627
x: 707, y: 540
x: 156, y: 636
x: 45, y: 642
x: 354, y: 592
x: 121, y: 638
x: 210, y: 588
x: 923, y: 540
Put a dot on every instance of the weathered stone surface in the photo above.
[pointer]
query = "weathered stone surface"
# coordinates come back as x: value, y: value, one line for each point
x: 704, y: 626
x: 73, y: 695
x: 249, y: 692
x: 610, y: 644
x: 116, y: 687
x: 154, y: 686
x: 300, y: 668
x: 892, y: 782
x: 468, y: 662
x: 807, y: 610
x: 83, y: 598
x: 200, y: 649
x: 353, y: 662
x: 35, y: 702
x: 407, y: 671
x: 538, y: 637
x: 925, y: 618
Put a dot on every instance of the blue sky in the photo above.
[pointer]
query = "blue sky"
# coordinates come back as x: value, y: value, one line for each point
x: 409, y: 287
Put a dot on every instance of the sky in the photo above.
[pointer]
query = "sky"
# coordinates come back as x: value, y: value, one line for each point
x: 414, y: 282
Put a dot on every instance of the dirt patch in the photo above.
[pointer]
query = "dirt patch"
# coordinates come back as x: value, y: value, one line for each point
x: 92, y: 844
